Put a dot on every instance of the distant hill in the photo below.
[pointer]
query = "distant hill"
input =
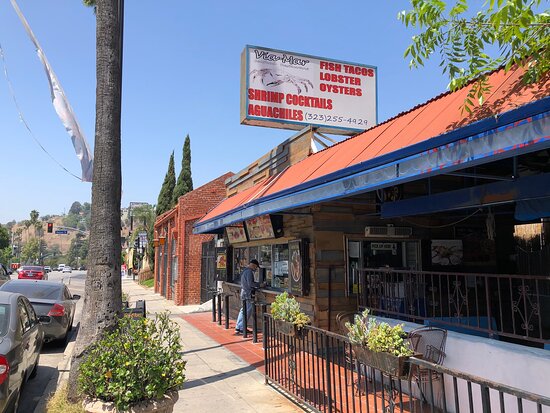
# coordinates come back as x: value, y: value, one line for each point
x: 63, y: 242
x: 79, y: 217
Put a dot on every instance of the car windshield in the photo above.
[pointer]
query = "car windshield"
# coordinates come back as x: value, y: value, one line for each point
x: 32, y: 268
x: 35, y: 290
x: 4, y: 319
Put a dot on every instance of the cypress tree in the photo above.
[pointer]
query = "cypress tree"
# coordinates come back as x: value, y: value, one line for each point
x: 185, y: 182
x: 164, y: 202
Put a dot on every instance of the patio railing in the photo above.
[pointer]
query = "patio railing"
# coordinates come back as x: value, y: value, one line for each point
x: 318, y: 368
x: 491, y: 305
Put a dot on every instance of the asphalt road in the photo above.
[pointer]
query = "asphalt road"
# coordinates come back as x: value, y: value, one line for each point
x: 52, y: 353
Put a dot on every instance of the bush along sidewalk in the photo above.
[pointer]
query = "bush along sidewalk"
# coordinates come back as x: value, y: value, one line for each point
x: 139, y: 362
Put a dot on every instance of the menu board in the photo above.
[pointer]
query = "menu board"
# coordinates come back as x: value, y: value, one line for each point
x: 221, y: 264
x: 260, y: 228
x: 221, y: 261
x: 236, y: 234
x: 447, y: 252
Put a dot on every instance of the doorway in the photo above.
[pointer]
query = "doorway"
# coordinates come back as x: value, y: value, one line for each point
x: 208, y: 269
x: 381, y: 253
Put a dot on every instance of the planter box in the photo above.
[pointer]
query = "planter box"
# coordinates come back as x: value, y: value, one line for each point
x: 288, y: 329
x: 164, y: 405
x: 397, y: 366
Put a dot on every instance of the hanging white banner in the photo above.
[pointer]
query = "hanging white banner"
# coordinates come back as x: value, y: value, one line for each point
x: 62, y: 106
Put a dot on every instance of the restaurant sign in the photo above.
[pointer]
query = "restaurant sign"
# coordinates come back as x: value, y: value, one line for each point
x: 298, y: 270
x: 288, y: 90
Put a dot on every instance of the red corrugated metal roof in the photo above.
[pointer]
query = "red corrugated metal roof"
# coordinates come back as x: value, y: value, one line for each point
x: 433, y: 118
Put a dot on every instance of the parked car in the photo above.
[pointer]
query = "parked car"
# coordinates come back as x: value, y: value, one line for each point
x: 32, y: 272
x: 49, y: 298
x: 66, y: 268
x: 47, y: 268
x: 4, y: 274
x: 21, y: 338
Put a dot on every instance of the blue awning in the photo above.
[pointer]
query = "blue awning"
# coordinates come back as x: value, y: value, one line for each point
x: 520, y: 131
x: 531, y: 190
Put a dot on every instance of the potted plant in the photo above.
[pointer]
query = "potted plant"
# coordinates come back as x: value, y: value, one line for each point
x: 288, y: 317
x: 137, y: 367
x: 379, y: 345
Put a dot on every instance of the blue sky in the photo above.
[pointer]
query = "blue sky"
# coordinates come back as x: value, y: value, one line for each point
x: 181, y: 76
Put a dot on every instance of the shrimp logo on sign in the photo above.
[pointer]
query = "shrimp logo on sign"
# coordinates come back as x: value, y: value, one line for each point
x: 271, y: 79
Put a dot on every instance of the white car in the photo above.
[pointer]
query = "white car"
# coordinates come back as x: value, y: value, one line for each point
x: 66, y: 268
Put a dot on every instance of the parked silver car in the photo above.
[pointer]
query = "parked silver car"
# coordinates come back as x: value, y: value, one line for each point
x: 49, y: 298
x: 21, y: 339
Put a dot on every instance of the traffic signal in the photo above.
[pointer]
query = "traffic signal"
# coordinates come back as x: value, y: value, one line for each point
x: 50, y: 227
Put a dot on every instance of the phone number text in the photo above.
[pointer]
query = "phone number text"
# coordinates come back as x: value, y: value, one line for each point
x: 336, y: 119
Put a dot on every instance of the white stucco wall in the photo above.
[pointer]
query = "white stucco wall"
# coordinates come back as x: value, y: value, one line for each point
x: 514, y: 365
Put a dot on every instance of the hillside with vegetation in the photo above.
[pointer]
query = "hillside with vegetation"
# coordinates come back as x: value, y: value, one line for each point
x: 29, y: 242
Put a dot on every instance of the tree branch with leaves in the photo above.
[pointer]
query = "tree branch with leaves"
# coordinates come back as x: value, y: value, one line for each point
x: 502, y: 33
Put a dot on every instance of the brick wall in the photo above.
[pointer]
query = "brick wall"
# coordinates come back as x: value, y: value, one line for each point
x: 190, y: 208
x: 164, y: 224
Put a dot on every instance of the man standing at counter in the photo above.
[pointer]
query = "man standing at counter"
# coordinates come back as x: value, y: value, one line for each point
x: 247, y: 285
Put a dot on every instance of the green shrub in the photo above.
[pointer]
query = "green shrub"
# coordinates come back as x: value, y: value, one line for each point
x: 358, y: 332
x: 378, y: 337
x: 288, y: 309
x: 141, y: 359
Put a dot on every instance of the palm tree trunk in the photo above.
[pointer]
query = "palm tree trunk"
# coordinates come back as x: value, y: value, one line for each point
x: 102, y: 296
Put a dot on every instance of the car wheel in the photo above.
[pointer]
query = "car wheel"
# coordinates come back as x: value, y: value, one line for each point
x: 34, y: 371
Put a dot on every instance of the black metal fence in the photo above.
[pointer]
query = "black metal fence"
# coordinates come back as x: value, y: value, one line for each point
x: 319, y: 368
x: 491, y: 305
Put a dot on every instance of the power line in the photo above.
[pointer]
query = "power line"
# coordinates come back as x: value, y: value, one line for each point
x: 22, y: 118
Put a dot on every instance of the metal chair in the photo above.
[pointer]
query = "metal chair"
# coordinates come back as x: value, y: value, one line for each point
x: 430, y: 342
x: 342, y: 318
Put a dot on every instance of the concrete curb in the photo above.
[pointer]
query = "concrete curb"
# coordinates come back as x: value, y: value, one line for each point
x: 63, y: 376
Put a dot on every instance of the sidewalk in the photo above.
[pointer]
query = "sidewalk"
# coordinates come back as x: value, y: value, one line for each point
x: 221, y: 376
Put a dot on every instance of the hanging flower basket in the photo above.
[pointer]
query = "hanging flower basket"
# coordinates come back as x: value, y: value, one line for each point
x: 288, y: 319
x: 397, y: 366
x: 288, y: 329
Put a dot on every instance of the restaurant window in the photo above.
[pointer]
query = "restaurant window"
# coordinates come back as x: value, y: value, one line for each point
x: 265, y: 264
x: 280, y: 267
x: 389, y: 253
x: 253, y: 254
x: 240, y: 261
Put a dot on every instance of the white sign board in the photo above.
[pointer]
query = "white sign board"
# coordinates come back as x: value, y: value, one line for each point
x: 289, y: 90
